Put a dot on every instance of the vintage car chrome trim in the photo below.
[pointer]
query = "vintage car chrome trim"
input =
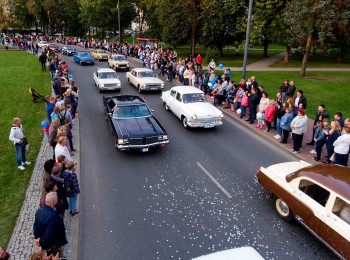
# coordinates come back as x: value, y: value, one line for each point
x: 301, y: 221
x: 128, y: 146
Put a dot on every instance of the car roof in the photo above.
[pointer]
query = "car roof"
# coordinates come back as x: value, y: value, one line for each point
x: 187, y: 89
x: 335, y: 177
x: 125, y: 100
x: 105, y: 70
x: 142, y: 69
x: 117, y: 55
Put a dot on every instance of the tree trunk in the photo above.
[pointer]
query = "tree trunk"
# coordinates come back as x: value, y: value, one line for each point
x: 286, y: 55
x: 220, y: 52
x: 340, y: 58
x: 266, y: 45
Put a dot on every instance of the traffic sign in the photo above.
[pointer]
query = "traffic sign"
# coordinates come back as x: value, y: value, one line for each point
x: 133, y: 35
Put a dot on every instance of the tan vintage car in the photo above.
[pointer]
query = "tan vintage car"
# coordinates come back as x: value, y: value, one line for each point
x: 100, y: 55
x: 118, y: 62
x: 318, y: 197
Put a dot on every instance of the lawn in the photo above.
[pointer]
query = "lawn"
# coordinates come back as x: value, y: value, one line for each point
x: 315, y: 61
x: 19, y: 70
x: 329, y: 88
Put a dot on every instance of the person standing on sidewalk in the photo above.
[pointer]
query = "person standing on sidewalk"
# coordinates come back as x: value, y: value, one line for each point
x: 72, y: 191
x: 332, y: 135
x: 341, y: 147
x: 199, y: 61
x: 253, y: 103
x: 53, y: 130
x: 320, y: 112
x: 42, y: 60
x: 298, y: 125
x: 49, y: 230
x: 20, y: 142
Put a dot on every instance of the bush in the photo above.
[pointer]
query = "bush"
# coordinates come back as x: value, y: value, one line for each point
x: 211, y: 54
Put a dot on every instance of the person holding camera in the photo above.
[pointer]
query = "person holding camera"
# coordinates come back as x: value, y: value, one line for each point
x: 20, y: 142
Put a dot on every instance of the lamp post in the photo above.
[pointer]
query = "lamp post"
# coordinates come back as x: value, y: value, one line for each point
x: 250, y: 10
x: 120, y: 40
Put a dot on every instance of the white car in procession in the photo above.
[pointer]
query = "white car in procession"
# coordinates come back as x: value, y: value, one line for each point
x: 191, y: 106
x: 106, y: 79
x: 42, y: 44
x: 144, y: 80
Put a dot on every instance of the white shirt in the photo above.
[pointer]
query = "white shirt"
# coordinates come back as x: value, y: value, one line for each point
x: 341, y: 145
x: 62, y: 150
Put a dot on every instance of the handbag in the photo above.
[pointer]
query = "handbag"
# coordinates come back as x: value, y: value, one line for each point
x: 24, y: 141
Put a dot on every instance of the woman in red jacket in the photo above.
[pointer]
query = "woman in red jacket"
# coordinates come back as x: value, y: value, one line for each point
x: 270, y: 114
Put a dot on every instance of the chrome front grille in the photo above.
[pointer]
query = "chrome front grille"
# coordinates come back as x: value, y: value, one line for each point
x: 143, y: 141
x: 207, y: 120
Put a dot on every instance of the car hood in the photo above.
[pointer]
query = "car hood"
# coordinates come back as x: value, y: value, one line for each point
x: 137, y: 127
x: 202, y: 109
x: 102, y: 54
x: 109, y: 81
x: 151, y: 81
x: 121, y: 62
x: 281, y: 170
x: 86, y: 57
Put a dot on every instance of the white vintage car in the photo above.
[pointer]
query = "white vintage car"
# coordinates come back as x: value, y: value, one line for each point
x: 240, y: 253
x: 43, y: 44
x: 144, y: 80
x: 191, y: 106
x: 118, y: 62
x: 106, y: 79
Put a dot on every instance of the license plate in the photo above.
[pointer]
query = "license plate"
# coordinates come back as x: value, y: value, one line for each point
x: 144, y: 150
x: 154, y: 88
x: 208, y: 126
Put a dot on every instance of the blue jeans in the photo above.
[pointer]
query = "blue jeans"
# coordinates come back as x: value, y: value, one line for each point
x: 278, y: 126
x: 238, y: 105
x: 170, y: 75
x: 186, y: 82
x: 243, y: 111
x: 52, y: 75
x: 252, y: 114
x: 318, y: 148
x: 72, y: 203
x: 20, y: 154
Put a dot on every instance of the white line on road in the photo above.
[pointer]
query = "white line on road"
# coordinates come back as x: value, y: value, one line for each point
x: 215, y: 181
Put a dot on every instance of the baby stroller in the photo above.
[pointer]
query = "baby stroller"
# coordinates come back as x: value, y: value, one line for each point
x: 36, y: 95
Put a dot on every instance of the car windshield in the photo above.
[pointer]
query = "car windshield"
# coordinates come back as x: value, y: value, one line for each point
x: 194, y: 97
x: 54, y: 46
x: 107, y: 75
x: 83, y: 54
x: 131, y: 111
x: 146, y: 74
x: 119, y: 58
x: 101, y: 51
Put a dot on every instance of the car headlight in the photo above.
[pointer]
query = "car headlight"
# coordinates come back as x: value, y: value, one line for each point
x: 162, y: 137
x: 117, y: 65
x: 128, y: 65
x: 221, y: 115
x: 122, y: 141
x: 143, y: 85
x: 118, y: 85
x: 194, y: 117
x: 102, y: 85
x: 162, y: 85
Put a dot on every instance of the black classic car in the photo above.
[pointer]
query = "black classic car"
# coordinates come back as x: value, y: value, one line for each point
x: 132, y: 124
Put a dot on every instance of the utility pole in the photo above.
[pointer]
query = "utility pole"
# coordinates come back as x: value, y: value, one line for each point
x: 250, y: 10
x: 120, y: 40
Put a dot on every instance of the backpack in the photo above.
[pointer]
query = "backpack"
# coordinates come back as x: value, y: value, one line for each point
x: 63, y: 117
x: 68, y: 185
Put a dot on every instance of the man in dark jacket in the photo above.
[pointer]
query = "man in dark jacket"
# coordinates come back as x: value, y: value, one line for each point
x: 300, y: 99
x: 253, y: 103
x: 321, y: 111
x: 42, y: 60
x: 291, y: 89
x: 49, y: 230
x: 56, y: 85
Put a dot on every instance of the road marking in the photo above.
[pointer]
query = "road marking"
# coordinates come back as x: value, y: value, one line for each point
x: 215, y: 181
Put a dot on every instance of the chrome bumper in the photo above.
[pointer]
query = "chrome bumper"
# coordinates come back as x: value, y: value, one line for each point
x: 205, y: 125
x: 131, y: 147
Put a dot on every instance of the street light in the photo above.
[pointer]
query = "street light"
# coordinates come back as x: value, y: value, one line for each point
x: 120, y: 40
x: 250, y: 10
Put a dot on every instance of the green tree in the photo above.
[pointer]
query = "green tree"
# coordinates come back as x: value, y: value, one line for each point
x: 222, y: 23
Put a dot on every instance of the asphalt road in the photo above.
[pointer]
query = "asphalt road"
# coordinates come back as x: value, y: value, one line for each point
x: 162, y: 204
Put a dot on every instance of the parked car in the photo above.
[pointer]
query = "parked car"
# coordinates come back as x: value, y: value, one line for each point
x: 144, y: 80
x: 43, y: 44
x: 83, y: 57
x: 191, y: 106
x: 317, y: 196
x: 132, y: 124
x: 100, y: 54
x: 240, y: 253
x: 118, y: 62
x: 106, y: 79
x: 69, y: 50
x: 54, y: 47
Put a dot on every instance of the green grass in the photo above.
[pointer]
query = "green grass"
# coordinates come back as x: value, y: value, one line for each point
x: 315, y: 61
x: 19, y: 70
x: 329, y: 88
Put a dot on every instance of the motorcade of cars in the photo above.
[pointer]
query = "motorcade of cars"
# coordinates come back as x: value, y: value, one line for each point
x: 83, y: 57
x: 132, y: 124
x: 144, y: 80
x: 317, y: 196
x: 100, y: 54
x: 54, y: 47
x: 240, y: 253
x: 69, y: 50
x: 43, y: 44
x: 118, y: 62
x: 190, y: 105
x: 106, y: 79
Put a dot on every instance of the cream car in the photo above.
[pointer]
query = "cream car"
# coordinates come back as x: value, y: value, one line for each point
x: 191, y: 106
x: 118, y: 62
x: 106, y: 79
x: 144, y: 80
x: 100, y: 55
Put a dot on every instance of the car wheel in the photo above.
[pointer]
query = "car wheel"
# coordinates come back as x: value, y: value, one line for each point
x: 93, y: 63
x: 282, y: 209
x: 167, y: 108
x: 184, y: 122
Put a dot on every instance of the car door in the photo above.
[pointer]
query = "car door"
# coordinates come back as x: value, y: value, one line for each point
x: 96, y: 78
x: 334, y: 230
x: 170, y: 99
x: 177, y: 105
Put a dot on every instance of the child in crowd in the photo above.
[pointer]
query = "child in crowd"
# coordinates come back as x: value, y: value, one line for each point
x: 46, y: 131
x: 73, y: 190
x: 200, y: 83
x: 261, y: 121
x: 244, y: 104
